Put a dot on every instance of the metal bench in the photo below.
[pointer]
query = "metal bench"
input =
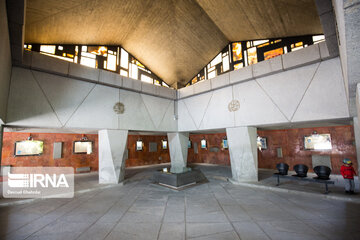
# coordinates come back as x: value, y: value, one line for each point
x: 315, y: 179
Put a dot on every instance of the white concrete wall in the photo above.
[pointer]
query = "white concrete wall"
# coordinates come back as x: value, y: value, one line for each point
x: 37, y: 61
x: 5, y: 61
x: 292, y: 60
x: 39, y: 99
x: 307, y: 93
x: 305, y: 85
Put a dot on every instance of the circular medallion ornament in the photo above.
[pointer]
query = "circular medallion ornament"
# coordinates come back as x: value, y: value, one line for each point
x: 119, y: 108
x: 234, y: 105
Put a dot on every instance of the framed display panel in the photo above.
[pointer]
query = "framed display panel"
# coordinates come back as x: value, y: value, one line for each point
x: 224, y: 144
x: 82, y: 147
x: 139, y: 145
x: 317, y: 142
x: 189, y: 144
x: 152, y: 147
x: 262, y: 143
x: 203, y: 143
x: 164, y: 144
x: 57, y: 150
x: 28, y: 148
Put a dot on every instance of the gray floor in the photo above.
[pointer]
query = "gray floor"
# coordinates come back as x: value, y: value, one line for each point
x: 214, y: 210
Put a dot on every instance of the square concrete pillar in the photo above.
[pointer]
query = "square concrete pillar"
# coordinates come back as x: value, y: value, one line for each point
x: 112, y: 154
x: 357, y: 141
x: 243, y: 154
x: 178, y: 146
x: 1, y: 140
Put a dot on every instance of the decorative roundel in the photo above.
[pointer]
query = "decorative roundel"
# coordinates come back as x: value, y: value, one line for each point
x: 234, y: 105
x: 119, y: 108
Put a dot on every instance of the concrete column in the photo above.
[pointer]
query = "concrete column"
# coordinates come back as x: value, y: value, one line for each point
x: 243, y: 154
x: 178, y: 146
x: 112, y: 155
x: 1, y: 140
x: 357, y: 141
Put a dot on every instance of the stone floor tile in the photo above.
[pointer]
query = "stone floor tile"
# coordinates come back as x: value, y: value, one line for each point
x: 212, y: 217
x: 173, y: 231
x: 203, y: 229
x: 249, y: 230
x: 289, y: 230
x: 97, y: 231
x: 139, y: 231
x: 220, y: 236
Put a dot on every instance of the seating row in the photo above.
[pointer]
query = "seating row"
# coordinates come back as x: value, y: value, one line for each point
x: 323, y: 172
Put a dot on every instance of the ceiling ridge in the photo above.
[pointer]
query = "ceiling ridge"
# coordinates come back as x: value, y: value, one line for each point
x: 203, y: 10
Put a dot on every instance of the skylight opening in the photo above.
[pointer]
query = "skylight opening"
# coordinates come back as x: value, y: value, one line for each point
x: 110, y: 58
x: 241, y: 54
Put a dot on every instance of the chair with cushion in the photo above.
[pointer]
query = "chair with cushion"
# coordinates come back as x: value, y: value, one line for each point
x: 322, y: 172
x: 282, y: 168
x: 301, y: 170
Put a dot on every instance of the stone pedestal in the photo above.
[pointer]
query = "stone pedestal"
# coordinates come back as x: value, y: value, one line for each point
x: 179, y: 180
x: 243, y: 154
x: 178, y: 146
x: 112, y: 154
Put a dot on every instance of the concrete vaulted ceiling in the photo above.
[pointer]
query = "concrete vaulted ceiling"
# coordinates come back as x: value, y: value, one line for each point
x: 174, y: 38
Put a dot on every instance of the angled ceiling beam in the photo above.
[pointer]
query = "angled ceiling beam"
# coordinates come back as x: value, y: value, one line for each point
x: 16, y: 10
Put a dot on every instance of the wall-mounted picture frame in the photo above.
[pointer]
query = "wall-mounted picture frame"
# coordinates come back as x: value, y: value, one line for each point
x: 164, y: 144
x: 224, y: 144
x: 82, y: 147
x: 318, y: 142
x: 203, y: 143
x: 262, y: 143
x: 28, y: 148
x: 189, y: 144
x: 139, y: 145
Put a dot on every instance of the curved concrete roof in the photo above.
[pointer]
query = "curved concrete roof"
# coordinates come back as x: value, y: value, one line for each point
x: 173, y: 38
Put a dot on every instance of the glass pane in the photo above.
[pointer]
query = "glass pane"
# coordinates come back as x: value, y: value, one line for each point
x: 88, y: 62
x: 133, y: 71
x: 124, y: 59
x: 111, y: 62
x: 48, y: 48
x: 123, y: 73
x: 147, y: 79
x: 216, y: 60
x: 258, y: 42
x: 101, y: 50
x: 211, y: 74
x: 226, y: 65
x: 319, y: 38
x: 273, y: 53
x: 236, y: 50
x: 296, y: 46
x: 252, y: 56
x: 238, y: 66
x: 194, y: 80
x: 89, y: 55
